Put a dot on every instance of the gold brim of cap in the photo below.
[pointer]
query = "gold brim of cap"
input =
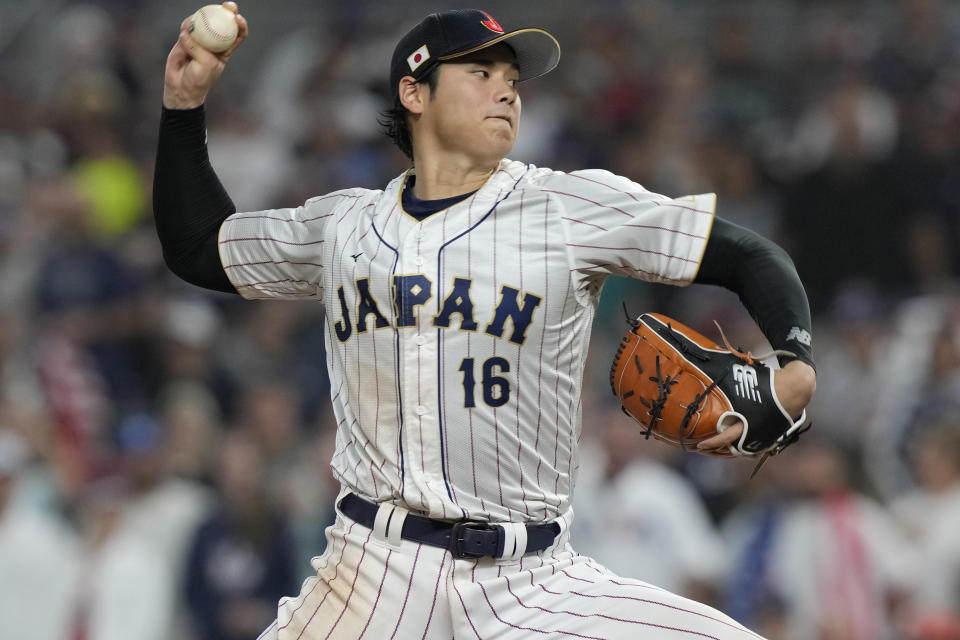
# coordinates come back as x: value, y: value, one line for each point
x: 488, y: 43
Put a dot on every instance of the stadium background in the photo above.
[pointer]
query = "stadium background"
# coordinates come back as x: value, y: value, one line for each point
x: 163, y: 450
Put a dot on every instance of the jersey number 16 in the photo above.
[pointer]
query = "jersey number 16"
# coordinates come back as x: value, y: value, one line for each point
x: 496, y: 389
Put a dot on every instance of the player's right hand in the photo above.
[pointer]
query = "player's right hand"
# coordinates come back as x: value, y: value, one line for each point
x: 191, y: 70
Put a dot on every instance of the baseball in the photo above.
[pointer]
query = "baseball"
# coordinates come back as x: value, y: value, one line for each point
x: 213, y: 27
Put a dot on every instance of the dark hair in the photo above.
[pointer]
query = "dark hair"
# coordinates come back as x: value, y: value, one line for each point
x: 394, y: 120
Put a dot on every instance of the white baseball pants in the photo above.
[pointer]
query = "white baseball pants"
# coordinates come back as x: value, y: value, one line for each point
x: 379, y: 587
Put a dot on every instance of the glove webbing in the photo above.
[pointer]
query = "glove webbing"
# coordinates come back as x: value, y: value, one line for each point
x: 693, y: 407
x: 663, y: 390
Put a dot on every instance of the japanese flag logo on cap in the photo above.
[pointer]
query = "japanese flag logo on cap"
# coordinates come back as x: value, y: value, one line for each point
x: 418, y: 57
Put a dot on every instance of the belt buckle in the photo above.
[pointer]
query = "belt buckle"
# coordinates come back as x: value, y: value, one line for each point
x: 457, y: 538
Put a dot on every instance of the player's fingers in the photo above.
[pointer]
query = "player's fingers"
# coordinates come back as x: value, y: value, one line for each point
x: 722, y: 440
x: 231, y: 6
x: 196, y: 52
x: 242, y: 30
x: 179, y: 55
x: 243, y: 27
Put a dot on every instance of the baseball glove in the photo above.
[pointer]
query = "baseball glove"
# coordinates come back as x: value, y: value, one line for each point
x: 683, y: 388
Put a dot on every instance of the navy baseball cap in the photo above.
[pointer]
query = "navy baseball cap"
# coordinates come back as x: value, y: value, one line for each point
x: 450, y: 34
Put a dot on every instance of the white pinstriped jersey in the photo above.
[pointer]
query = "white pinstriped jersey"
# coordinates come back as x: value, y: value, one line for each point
x: 456, y: 345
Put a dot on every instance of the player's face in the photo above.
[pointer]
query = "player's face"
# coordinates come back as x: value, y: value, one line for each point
x: 475, y: 109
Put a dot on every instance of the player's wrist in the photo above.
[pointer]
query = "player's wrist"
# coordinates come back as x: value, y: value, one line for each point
x: 795, y: 384
x: 179, y: 101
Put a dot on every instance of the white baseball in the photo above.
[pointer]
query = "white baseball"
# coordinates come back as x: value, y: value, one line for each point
x: 213, y: 27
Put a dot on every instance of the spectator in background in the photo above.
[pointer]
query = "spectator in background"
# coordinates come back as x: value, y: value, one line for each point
x: 279, y: 342
x: 640, y: 518
x: 39, y: 557
x: 18, y: 373
x: 930, y: 513
x: 745, y: 84
x: 126, y: 588
x: 841, y: 204
x: 191, y: 420
x: 86, y: 295
x: 295, y: 473
x: 836, y: 564
x: 159, y: 509
x: 924, y: 351
x: 269, y: 413
x: 750, y: 593
x: 66, y: 303
x: 748, y: 202
x: 853, y: 348
x: 255, y: 162
x: 188, y: 353
x: 242, y: 557
x: 913, y: 53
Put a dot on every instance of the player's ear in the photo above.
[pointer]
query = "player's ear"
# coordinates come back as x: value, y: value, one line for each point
x: 411, y: 94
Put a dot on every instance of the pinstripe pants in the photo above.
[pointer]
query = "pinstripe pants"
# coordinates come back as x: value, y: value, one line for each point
x: 366, y: 587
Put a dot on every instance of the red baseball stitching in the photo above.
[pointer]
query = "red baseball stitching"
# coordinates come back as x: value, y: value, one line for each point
x: 211, y: 30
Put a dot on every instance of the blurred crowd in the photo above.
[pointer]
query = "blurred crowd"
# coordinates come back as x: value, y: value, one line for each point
x: 164, y: 450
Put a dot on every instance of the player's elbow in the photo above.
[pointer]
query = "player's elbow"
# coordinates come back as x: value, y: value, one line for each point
x: 200, y: 268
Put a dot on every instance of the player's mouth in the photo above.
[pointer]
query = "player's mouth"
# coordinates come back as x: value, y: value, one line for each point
x: 506, y: 119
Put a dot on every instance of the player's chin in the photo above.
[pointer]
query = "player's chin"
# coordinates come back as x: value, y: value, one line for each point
x: 500, y: 147
x: 500, y: 132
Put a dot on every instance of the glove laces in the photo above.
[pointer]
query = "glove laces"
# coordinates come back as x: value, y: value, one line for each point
x: 748, y: 356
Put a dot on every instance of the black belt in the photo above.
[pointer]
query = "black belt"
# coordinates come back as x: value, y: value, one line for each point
x: 466, y: 539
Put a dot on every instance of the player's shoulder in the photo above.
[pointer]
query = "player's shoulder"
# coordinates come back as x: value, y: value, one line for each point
x: 579, y: 181
x: 336, y: 198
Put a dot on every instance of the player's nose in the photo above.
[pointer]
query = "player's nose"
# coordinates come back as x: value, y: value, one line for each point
x: 506, y: 92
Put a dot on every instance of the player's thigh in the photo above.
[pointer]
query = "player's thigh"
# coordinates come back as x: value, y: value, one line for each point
x: 367, y: 588
x: 573, y: 597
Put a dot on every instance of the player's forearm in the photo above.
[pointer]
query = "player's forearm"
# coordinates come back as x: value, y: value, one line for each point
x: 189, y: 203
x: 795, y: 384
x: 765, y: 278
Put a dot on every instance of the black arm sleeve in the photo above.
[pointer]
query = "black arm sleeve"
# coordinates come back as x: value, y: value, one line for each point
x: 189, y: 203
x: 764, y: 277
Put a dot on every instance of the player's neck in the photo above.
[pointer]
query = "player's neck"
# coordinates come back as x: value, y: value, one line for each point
x: 445, y: 177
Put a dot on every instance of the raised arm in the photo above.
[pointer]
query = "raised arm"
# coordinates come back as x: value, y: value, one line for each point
x: 189, y: 202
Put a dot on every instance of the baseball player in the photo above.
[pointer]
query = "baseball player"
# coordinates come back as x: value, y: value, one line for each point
x: 459, y: 301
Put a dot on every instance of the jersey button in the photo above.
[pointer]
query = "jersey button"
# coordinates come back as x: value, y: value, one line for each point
x: 419, y: 260
x: 420, y: 339
x: 421, y: 410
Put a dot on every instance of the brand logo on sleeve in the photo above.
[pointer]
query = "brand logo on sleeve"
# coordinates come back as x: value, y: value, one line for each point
x: 800, y: 335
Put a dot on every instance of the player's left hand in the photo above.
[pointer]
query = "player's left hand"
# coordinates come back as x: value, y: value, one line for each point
x: 795, y: 384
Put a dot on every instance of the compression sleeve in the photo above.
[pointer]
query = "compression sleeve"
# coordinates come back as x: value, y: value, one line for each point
x: 189, y: 203
x: 765, y: 278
